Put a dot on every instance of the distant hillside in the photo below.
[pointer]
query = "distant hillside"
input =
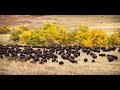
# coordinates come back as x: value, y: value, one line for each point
x: 106, y: 22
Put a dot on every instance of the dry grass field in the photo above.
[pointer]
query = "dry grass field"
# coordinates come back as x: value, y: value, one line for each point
x: 26, y: 68
x: 4, y: 38
x: 100, y: 67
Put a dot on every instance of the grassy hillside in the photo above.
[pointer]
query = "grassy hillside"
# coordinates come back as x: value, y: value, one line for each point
x: 106, y: 22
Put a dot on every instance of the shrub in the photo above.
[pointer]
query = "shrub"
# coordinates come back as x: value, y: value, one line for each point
x: 63, y: 34
x: 87, y: 43
x: 53, y: 33
x: 98, y: 37
x: 114, y: 39
x: 24, y: 36
x: 15, y: 36
x: 82, y: 28
x: 36, y: 39
x: 21, y: 29
x: 91, y: 37
x: 4, y: 29
x: 70, y: 39
x: 80, y: 34
x: 50, y: 33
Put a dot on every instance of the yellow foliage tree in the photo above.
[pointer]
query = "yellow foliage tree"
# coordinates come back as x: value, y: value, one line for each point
x: 36, y: 39
x: 21, y: 29
x: 91, y: 37
x: 70, y: 39
x: 80, y: 34
x: 24, y: 36
x: 99, y: 37
x: 82, y: 28
x: 87, y: 43
x: 114, y: 39
x: 51, y: 33
x: 63, y: 34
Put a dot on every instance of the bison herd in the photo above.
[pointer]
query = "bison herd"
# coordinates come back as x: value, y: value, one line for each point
x: 42, y: 54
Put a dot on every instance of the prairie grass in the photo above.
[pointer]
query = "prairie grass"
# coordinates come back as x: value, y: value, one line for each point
x: 100, y: 67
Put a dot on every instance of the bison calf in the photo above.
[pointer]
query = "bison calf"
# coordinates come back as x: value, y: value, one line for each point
x: 61, y: 62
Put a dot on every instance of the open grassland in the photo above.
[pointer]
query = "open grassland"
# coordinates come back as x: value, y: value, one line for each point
x: 100, y: 67
x: 4, y: 38
x: 109, y: 23
x: 25, y: 68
